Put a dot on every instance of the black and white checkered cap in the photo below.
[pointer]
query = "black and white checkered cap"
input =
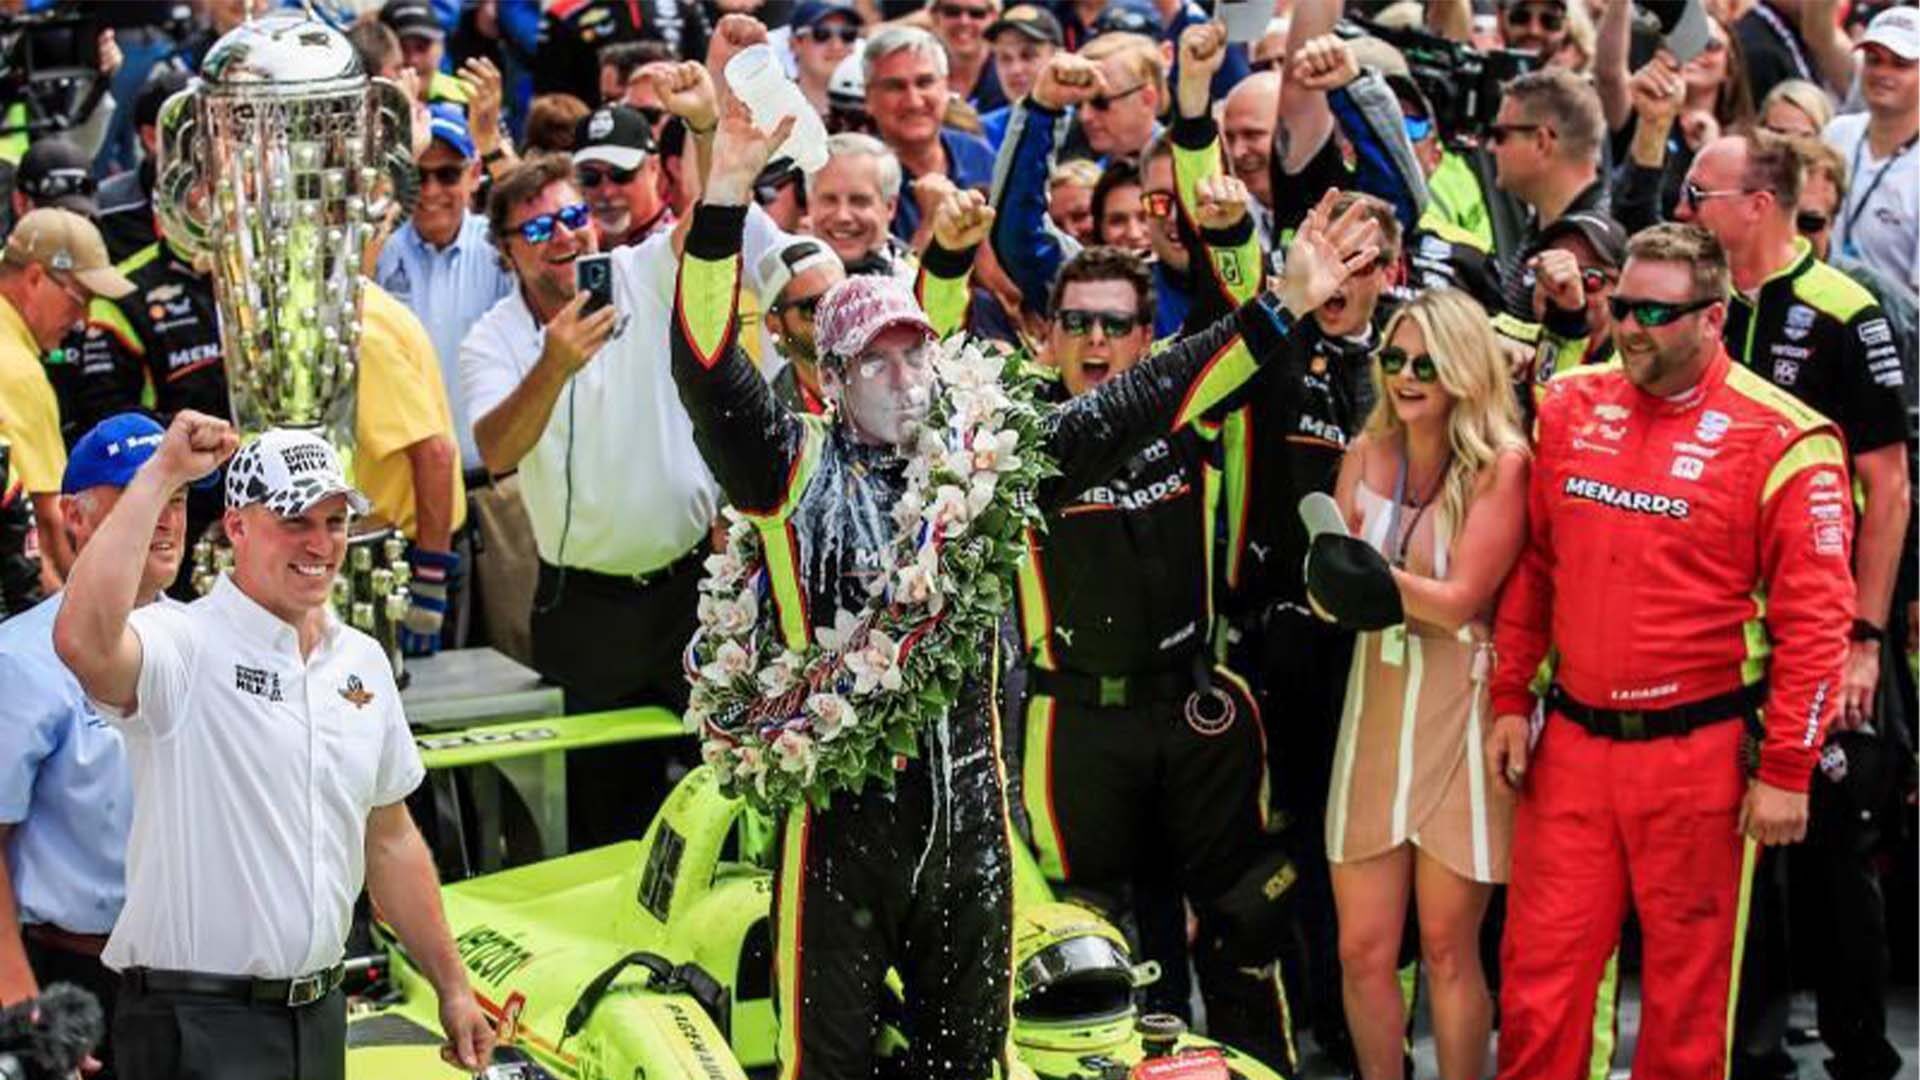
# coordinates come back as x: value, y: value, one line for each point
x: 289, y: 472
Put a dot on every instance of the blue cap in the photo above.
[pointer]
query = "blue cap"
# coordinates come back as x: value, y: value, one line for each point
x: 809, y: 12
x: 449, y: 125
x: 111, y: 453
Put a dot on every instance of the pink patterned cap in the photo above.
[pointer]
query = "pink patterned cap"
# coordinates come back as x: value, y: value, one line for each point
x: 856, y: 310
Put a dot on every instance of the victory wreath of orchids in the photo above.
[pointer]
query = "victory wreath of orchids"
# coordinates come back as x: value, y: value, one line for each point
x: 781, y: 726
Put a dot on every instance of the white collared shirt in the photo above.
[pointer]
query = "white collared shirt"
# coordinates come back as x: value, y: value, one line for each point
x: 615, y: 484
x: 254, y: 772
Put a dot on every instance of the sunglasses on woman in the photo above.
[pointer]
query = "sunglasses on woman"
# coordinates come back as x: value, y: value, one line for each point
x: 1394, y: 359
x: 539, y: 230
x: 1113, y: 324
x: 1653, y: 314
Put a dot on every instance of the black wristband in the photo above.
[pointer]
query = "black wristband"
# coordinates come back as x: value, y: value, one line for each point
x: 1866, y: 631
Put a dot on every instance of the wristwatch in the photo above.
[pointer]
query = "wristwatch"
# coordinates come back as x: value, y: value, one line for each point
x: 1866, y: 631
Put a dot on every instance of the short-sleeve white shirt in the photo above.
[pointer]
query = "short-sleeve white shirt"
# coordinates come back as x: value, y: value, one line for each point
x: 254, y: 772
x: 1879, y: 224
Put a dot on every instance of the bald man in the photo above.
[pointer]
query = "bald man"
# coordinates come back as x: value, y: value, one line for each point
x: 1247, y: 125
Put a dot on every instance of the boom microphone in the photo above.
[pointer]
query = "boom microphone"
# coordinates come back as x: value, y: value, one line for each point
x: 48, y: 1037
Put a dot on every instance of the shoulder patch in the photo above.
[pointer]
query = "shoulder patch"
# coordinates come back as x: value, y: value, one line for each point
x: 1832, y: 292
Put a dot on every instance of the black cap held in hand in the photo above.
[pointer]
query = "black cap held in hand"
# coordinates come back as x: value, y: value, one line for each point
x: 1352, y: 582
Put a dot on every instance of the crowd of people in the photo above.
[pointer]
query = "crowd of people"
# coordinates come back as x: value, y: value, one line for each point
x: 1478, y: 544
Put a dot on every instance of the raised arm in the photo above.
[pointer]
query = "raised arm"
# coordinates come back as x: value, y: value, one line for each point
x: 1030, y: 248
x: 91, y: 633
x: 1305, y: 120
x: 749, y: 440
x: 1210, y: 201
x: 1095, y: 433
x: 956, y: 228
x: 1612, y: 44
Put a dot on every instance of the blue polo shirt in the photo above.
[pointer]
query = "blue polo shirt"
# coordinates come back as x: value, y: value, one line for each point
x: 65, y: 785
x: 969, y: 165
x: 449, y: 289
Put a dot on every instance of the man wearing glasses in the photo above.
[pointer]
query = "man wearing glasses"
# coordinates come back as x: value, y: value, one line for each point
x: 54, y: 265
x: 1667, y: 494
x: 795, y: 275
x: 1123, y: 115
x: 582, y: 403
x: 961, y: 27
x: 615, y: 165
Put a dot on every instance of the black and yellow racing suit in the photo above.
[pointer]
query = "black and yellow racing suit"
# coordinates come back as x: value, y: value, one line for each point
x: 917, y: 880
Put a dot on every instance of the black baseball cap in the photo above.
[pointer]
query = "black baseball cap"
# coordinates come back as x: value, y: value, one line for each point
x: 1029, y: 21
x: 411, y: 18
x: 1605, y: 236
x: 615, y: 134
x: 56, y: 172
x: 1349, y: 580
x: 1128, y: 17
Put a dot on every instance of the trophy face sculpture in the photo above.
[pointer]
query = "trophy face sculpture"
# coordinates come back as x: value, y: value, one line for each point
x: 276, y: 168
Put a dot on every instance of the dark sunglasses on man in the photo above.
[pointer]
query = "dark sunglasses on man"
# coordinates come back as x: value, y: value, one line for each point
x: 804, y: 307
x: 592, y: 176
x: 1105, y: 101
x: 539, y: 230
x: 1080, y: 323
x: 1545, y: 16
x: 963, y: 11
x: 444, y: 175
x: 822, y: 34
x: 1654, y: 314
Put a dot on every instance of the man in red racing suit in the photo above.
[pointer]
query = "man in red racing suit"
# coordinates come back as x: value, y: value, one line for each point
x: 1686, y: 569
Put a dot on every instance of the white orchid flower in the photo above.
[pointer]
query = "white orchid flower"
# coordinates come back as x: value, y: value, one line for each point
x: 832, y: 714
x: 723, y: 570
x: 876, y: 664
x: 795, y: 752
x: 950, y: 512
x: 996, y: 451
x: 729, y: 662
x: 836, y: 637
x: 782, y: 675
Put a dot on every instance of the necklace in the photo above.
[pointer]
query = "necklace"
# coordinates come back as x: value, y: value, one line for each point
x: 1402, y: 539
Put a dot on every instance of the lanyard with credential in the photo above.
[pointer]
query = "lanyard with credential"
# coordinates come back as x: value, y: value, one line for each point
x: 1847, y: 247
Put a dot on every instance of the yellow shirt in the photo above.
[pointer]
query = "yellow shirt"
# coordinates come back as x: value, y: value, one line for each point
x: 400, y: 400
x: 29, y: 415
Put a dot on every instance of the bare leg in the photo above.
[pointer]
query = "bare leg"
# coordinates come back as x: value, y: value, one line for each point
x: 1450, y: 909
x: 1370, y: 898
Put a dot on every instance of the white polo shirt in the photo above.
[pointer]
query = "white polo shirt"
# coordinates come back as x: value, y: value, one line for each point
x: 615, y: 484
x: 253, y: 775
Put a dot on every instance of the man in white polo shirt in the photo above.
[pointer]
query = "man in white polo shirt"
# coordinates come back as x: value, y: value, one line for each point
x: 270, y: 759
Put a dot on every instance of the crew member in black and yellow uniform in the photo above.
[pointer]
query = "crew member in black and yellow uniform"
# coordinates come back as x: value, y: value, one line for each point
x: 919, y: 880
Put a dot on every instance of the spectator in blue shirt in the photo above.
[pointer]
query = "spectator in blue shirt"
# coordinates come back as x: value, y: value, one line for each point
x: 906, y: 85
x: 440, y: 262
x: 66, y: 793
x: 1023, y: 40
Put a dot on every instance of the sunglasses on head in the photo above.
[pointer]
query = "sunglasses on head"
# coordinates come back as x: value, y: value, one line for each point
x: 1655, y: 313
x: 1080, y: 323
x: 845, y: 35
x: 1394, y: 359
x: 1156, y: 204
x: 1105, y: 101
x: 591, y: 176
x: 1809, y: 223
x: 539, y: 230
x: 444, y: 175
x: 962, y: 11
x: 63, y: 182
x: 1540, y: 15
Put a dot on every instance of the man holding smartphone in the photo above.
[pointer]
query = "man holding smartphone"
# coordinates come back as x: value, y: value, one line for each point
x: 568, y: 380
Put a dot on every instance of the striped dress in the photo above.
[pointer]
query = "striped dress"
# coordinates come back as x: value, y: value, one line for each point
x: 1409, y: 766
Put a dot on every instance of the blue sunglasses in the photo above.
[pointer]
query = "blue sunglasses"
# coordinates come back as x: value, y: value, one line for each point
x: 539, y: 230
x: 1418, y: 127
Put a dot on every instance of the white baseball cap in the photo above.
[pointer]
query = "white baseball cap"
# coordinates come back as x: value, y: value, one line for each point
x: 1897, y: 29
x: 289, y: 472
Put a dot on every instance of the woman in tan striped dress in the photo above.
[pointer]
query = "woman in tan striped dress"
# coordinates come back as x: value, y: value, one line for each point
x: 1437, y: 482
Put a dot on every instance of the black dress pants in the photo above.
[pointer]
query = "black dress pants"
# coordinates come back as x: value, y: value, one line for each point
x: 182, y: 1036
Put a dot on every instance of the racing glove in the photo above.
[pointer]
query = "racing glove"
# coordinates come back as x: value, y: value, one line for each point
x: 434, y: 573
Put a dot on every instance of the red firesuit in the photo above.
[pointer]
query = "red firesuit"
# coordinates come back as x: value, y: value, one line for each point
x: 1679, y: 549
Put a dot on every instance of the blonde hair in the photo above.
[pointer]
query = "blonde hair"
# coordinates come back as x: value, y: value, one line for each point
x: 1141, y: 54
x: 1812, y: 101
x: 1485, y: 421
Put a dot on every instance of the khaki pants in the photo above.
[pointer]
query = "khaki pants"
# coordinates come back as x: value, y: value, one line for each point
x: 506, y: 568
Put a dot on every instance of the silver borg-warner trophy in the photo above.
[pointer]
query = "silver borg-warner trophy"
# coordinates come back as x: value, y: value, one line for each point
x: 276, y: 167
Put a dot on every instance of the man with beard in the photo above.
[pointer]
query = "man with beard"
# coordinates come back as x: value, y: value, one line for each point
x: 871, y: 883
x: 617, y: 166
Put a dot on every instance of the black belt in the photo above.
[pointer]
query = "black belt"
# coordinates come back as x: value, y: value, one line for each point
x: 1110, y: 691
x: 293, y: 993
x: 1638, y: 725
x: 692, y: 560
